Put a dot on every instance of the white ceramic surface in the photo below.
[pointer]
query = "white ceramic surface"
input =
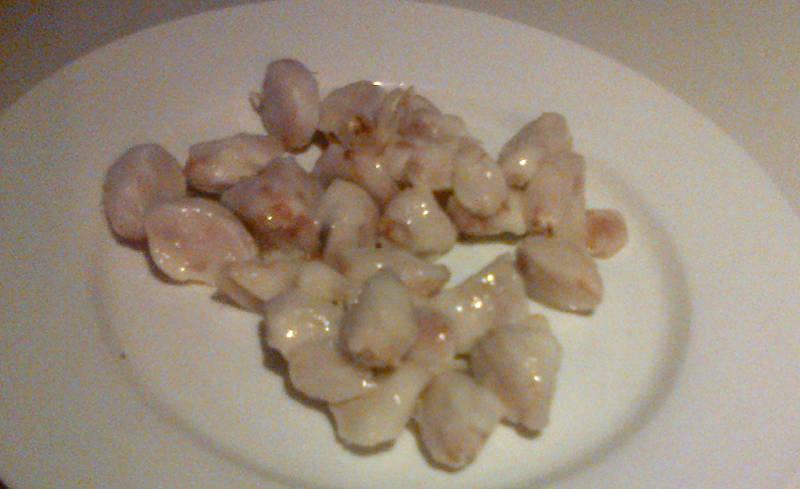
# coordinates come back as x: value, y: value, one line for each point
x: 691, y: 358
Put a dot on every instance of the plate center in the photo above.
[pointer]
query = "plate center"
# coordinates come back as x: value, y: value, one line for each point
x: 201, y: 362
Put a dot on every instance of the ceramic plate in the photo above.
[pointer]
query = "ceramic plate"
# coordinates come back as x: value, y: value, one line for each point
x: 686, y: 376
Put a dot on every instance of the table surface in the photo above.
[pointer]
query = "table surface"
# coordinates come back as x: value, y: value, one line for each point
x: 736, y: 61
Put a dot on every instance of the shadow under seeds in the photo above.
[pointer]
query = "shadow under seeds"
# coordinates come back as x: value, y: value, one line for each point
x: 413, y: 427
x: 141, y: 247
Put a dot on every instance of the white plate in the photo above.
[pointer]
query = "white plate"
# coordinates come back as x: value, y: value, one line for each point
x: 687, y: 376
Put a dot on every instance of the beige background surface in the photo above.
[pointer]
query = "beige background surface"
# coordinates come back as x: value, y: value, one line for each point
x: 736, y: 61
